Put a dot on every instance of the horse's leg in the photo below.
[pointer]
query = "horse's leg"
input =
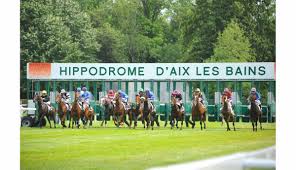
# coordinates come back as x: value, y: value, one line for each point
x: 47, y: 117
x: 125, y: 121
x: 171, y: 122
x: 70, y: 119
x: 253, y: 124
x: 64, y: 119
x: 54, y: 118
x: 40, y: 120
x: 260, y: 122
x: 256, y: 123
x: 52, y: 115
x: 152, y: 121
x: 182, y: 119
x: 233, y: 120
x: 193, y: 120
x: 78, y: 119
x: 156, y: 120
x: 135, y: 119
x: 227, y: 125
x: 177, y: 123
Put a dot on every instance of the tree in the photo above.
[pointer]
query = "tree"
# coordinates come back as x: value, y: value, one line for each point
x: 232, y: 46
x: 112, y: 42
x: 55, y: 31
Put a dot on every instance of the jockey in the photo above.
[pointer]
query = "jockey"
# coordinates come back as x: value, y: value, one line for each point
x: 199, y: 95
x: 45, y: 99
x: 141, y: 92
x: 228, y: 93
x: 151, y: 97
x: 124, y: 98
x: 66, y: 98
x: 149, y: 94
x: 178, y: 96
x: 110, y: 94
x: 85, y: 96
x: 123, y: 95
x: 258, y: 97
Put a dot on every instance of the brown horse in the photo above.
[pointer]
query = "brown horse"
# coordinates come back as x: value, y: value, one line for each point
x: 198, y: 110
x: 62, y: 109
x: 255, y: 113
x: 87, y: 114
x: 226, y: 112
x: 176, y: 114
x: 119, y: 112
x: 44, y: 112
x: 76, y: 112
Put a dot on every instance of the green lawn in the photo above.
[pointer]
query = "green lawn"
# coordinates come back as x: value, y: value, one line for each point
x: 122, y: 148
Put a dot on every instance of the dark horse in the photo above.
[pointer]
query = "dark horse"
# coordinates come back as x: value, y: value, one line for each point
x: 255, y: 113
x: 176, y: 114
x: 44, y: 112
x: 148, y: 114
x: 108, y: 110
x: 198, y: 110
x: 76, y: 112
x: 137, y: 111
x: 228, y: 116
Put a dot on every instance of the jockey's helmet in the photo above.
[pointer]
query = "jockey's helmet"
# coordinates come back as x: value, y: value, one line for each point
x: 43, y: 93
x: 119, y: 91
x: 78, y: 89
x: 226, y: 89
x: 84, y: 89
x: 110, y: 92
x: 253, y: 89
x: 197, y: 90
x: 141, y: 90
x: 63, y: 91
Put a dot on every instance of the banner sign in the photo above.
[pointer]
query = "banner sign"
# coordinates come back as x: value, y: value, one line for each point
x: 152, y: 71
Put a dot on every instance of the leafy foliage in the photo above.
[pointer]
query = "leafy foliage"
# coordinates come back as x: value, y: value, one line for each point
x: 232, y: 46
x: 146, y: 31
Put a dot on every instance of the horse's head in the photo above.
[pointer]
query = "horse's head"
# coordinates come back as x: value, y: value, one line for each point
x: 142, y: 99
x: 37, y: 98
x: 252, y: 98
x: 76, y: 96
x: 58, y: 98
x: 174, y: 101
x: 223, y: 99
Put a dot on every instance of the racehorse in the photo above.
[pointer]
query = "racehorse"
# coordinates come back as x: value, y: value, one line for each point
x: 227, y: 115
x: 176, y: 113
x: 76, y: 112
x: 198, y: 110
x: 255, y: 113
x: 62, y: 109
x: 148, y: 113
x: 119, y: 112
x: 87, y: 114
x: 109, y: 110
x: 44, y: 112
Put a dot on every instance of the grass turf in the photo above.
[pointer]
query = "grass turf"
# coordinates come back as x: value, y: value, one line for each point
x: 123, y: 148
